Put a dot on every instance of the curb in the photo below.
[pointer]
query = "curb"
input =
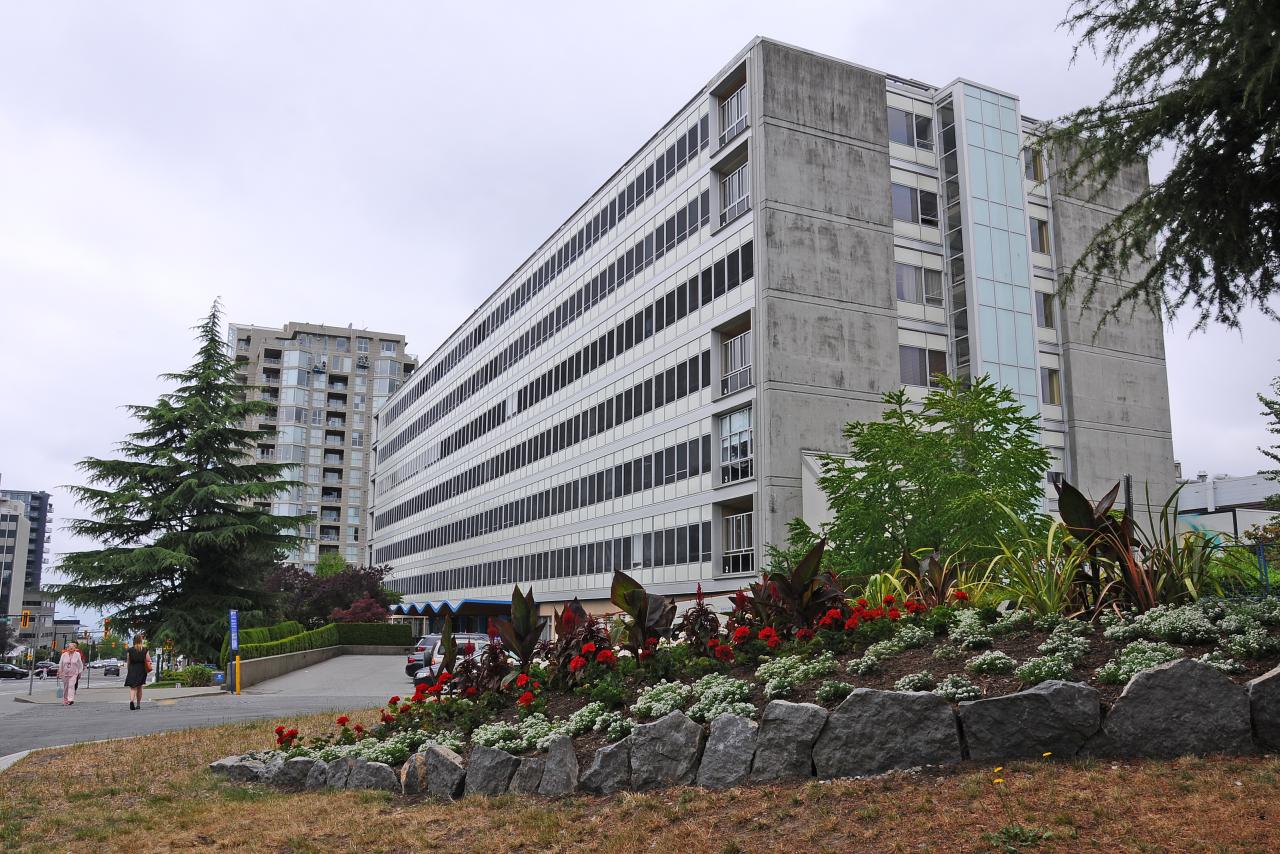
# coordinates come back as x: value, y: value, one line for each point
x: 212, y: 691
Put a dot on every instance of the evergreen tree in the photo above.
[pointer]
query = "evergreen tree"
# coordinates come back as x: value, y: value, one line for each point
x: 183, y: 541
x: 1271, y: 409
x: 1199, y: 77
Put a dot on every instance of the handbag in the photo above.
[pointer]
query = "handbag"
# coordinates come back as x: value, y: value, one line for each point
x: 148, y: 663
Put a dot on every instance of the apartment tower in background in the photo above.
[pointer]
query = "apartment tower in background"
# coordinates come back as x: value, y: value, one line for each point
x: 649, y: 390
x: 325, y: 383
x: 38, y: 508
x: 15, y: 534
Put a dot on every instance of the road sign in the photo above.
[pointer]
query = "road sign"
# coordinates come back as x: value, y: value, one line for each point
x: 235, y: 631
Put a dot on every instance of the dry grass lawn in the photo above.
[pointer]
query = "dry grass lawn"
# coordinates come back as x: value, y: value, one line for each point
x: 154, y: 794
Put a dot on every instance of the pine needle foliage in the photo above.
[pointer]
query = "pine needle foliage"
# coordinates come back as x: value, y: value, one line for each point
x: 1201, y: 78
x: 182, y: 540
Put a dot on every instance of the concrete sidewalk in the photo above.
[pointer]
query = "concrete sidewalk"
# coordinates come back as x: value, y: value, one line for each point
x: 121, y: 695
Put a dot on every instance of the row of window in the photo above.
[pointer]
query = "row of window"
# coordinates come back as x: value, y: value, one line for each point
x: 669, y: 547
x: 911, y: 129
x: 687, y: 378
x: 664, y: 466
x: 664, y: 167
x: 689, y: 296
x: 677, y: 228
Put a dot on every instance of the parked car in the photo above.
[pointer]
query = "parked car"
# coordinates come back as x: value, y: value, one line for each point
x: 417, y: 659
x: 427, y: 673
x: 111, y: 670
x: 10, y: 671
x: 46, y: 668
x: 106, y: 662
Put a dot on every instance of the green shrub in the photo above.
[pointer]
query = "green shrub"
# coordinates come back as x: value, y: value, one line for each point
x: 194, y: 676
x: 263, y: 634
x: 374, y: 634
x: 1012, y: 622
x: 314, y: 639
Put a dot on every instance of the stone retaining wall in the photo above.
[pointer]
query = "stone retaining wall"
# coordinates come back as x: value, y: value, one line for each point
x: 1181, y: 708
x: 255, y: 670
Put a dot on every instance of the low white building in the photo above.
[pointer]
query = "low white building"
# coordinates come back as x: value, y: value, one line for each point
x: 1228, y: 505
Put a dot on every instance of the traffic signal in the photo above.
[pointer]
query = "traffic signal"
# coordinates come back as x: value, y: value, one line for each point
x: 26, y: 620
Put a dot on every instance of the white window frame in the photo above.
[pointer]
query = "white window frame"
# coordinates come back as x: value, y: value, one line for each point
x: 735, y: 363
x: 735, y: 464
x: 735, y: 193
x: 733, y: 114
x: 738, y: 552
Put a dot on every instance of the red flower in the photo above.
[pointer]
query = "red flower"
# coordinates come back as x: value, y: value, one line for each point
x: 607, y: 657
x: 406, y: 707
x: 724, y: 653
x: 851, y: 623
x: 393, y: 701
x: 386, y: 718
x: 435, y: 689
x: 894, y: 613
x: 279, y: 730
x: 713, y: 643
x: 960, y: 595
x: 526, y: 699
x: 770, y: 637
x: 588, y: 648
x: 862, y: 602
x: 742, y: 634
x: 577, y: 663
x: 359, y: 727
x: 470, y: 691
x: 889, y: 600
x: 522, y: 680
x: 444, y: 677
x: 293, y: 733
x: 651, y: 642
x: 646, y: 654
x: 343, y: 720
x: 537, y: 684
x: 468, y: 648
x: 804, y: 634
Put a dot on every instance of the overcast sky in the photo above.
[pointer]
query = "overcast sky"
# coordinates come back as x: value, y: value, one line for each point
x: 389, y: 164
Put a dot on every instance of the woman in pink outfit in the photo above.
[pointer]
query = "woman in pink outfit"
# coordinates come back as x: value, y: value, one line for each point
x: 69, y: 666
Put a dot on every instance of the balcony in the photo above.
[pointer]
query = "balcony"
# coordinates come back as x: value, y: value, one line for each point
x: 332, y: 479
x: 329, y: 516
x: 266, y: 454
x: 735, y: 362
x: 332, y: 459
x: 331, y: 496
x: 271, y: 360
x: 733, y: 116
x: 270, y: 379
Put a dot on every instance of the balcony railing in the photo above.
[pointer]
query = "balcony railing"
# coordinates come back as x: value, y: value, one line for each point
x: 739, y: 549
x: 735, y: 209
x: 270, y: 360
x: 733, y: 116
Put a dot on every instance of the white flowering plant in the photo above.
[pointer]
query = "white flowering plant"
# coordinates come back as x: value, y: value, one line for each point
x: 1037, y: 670
x: 781, y: 675
x: 992, y: 663
x: 922, y: 681
x: 661, y: 699
x: 956, y: 688
x: 1135, y: 657
x: 718, y: 695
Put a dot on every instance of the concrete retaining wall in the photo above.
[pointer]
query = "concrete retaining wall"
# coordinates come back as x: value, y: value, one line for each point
x: 257, y: 670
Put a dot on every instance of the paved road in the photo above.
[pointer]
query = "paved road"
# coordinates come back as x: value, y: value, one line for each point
x: 346, y: 682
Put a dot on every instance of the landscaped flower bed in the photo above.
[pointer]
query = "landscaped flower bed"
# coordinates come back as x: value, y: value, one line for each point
x: 584, y: 686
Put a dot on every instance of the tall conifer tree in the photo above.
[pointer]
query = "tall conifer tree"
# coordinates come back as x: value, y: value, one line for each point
x: 182, y: 539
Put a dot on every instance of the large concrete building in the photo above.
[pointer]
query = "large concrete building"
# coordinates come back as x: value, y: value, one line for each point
x: 325, y: 382
x: 38, y: 507
x: 648, y: 391
x: 15, y: 534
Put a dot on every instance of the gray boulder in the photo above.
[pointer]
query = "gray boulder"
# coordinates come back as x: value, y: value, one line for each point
x: 340, y: 771
x: 413, y: 775
x: 373, y: 775
x: 272, y: 767
x: 726, y: 760
x: 1177, y: 709
x: 1057, y: 717
x: 489, y: 771
x: 528, y: 776
x: 294, y: 773
x: 240, y: 769
x: 318, y: 777
x: 665, y: 752
x: 445, y: 772
x: 560, y: 773
x: 610, y: 769
x: 784, y: 742
x: 871, y: 732
x: 1264, y: 702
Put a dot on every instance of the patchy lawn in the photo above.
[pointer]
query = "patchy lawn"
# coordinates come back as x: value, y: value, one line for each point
x: 154, y: 794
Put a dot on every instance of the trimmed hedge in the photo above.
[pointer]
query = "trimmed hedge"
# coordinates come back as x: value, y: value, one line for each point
x: 263, y: 634
x: 273, y: 640
x: 374, y: 634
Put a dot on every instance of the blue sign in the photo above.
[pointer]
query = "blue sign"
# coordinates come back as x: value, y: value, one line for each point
x: 235, y: 631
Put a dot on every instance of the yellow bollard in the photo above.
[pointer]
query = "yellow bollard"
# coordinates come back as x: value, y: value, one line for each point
x: 237, y: 675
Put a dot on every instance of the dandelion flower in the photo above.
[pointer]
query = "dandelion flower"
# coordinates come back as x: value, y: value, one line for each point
x: 998, y: 780
x: 1047, y: 754
x: 997, y: 769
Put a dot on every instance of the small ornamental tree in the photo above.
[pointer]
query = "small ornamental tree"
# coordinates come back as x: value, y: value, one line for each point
x: 366, y: 610
x: 932, y: 475
x: 181, y: 513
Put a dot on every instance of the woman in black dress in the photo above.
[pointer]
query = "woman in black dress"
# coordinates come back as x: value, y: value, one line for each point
x: 139, y: 667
